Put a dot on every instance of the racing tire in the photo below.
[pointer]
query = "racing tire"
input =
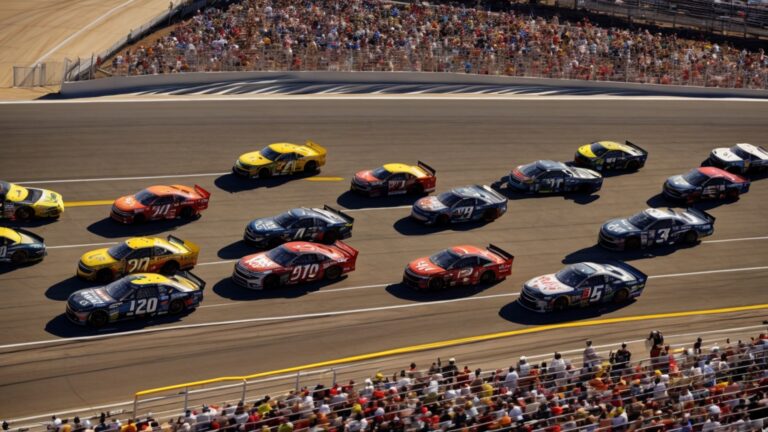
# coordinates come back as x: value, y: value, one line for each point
x: 330, y: 237
x: 488, y: 277
x: 187, y: 213
x: 443, y: 220
x: 271, y: 282
x: 621, y: 296
x: 734, y: 170
x: 632, y: 243
x: 332, y: 273
x: 264, y: 173
x: 19, y: 257
x: 733, y: 195
x: 170, y: 268
x: 98, y: 319
x: 435, y: 284
x: 176, y: 307
x: 490, y: 215
x: 310, y: 167
x: 24, y: 213
x: 633, y: 166
x: 417, y: 189
x: 139, y: 219
x: 104, y: 276
x: 560, y: 304
x: 691, y: 237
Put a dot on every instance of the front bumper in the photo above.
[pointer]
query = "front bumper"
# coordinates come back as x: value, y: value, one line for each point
x: 246, y: 280
x: 121, y: 216
x: 85, y: 272
x: 674, y: 193
x: 243, y: 172
x: 611, y: 243
x: 79, y: 318
x: 528, y: 301
x: 415, y: 281
x: 422, y: 216
x: 252, y: 238
x: 516, y: 184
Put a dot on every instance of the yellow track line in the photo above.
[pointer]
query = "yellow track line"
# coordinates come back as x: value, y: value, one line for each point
x: 324, y: 179
x: 453, y: 342
x: 87, y: 203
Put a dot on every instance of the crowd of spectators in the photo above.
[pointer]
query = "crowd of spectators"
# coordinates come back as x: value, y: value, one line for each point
x: 698, y: 388
x: 375, y: 35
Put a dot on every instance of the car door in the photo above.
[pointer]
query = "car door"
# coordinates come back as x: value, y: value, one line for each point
x: 306, y: 268
x: 463, y: 210
x: 552, y: 181
x: 463, y: 269
x: 592, y: 290
x: 4, y: 244
x: 302, y: 229
x: 613, y: 159
x: 659, y: 231
x: 162, y: 208
x: 396, y: 184
x: 285, y: 163
x: 145, y: 301
x: 138, y: 261
x: 713, y: 188
x: 159, y: 257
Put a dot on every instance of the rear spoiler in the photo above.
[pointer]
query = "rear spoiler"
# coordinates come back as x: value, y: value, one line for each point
x: 345, y: 216
x: 500, y: 252
x: 635, y: 146
x: 29, y: 234
x: 628, y: 268
x: 193, y: 277
x: 204, y: 193
x: 316, y: 147
x: 701, y: 213
x: 494, y: 193
x: 173, y: 239
x: 426, y: 167
x: 347, y: 249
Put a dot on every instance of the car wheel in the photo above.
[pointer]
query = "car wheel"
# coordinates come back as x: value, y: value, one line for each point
x: 632, y: 243
x: 436, y: 284
x: 488, y: 277
x: 332, y: 273
x: 19, y: 257
x: 104, y: 276
x: 170, y: 268
x: 310, y: 167
x: 691, y: 237
x: 733, y: 194
x: 560, y: 304
x: 187, y: 213
x: 139, y: 219
x: 490, y: 215
x: 24, y: 213
x: 416, y: 189
x: 734, y: 170
x: 621, y: 296
x: 633, y: 166
x: 98, y: 319
x: 443, y: 220
x: 330, y: 237
x: 176, y: 307
x: 271, y: 282
x: 265, y: 173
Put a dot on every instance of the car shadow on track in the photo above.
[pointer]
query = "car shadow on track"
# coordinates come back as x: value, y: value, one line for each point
x: 226, y: 288
x: 513, y: 195
x: 237, y: 250
x: 62, y: 327
x: 405, y: 292
x: 233, y: 183
x: 515, y: 313
x: 109, y: 228
x: 353, y: 200
x: 409, y: 226
x: 598, y: 254
x: 660, y: 201
x: 62, y: 290
x: 8, y: 267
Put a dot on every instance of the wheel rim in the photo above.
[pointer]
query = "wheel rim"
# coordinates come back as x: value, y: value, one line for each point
x: 270, y: 282
x: 98, y: 319
x: 487, y: 277
x: 169, y: 268
x: 560, y: 304
x: 633, y: 244
x: 333, y: 273
x: 443, y: 220
x: 330, y: 237
x: 621, y: 296
x: 435, y: 284
x: 691, y: 237
x: 18, y: 257
x: 176, y: 307
x: 310, y: 167
x: 490, y: 215
x: 23, y: 213
x: 264, y: 173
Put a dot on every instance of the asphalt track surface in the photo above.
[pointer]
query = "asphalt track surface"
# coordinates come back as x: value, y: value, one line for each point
x: 466, y: 141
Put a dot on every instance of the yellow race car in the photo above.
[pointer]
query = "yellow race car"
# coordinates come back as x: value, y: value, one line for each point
x: 609, y: 155
x: 281, y: 159
x: 138, y: 255
x: 21, y: 203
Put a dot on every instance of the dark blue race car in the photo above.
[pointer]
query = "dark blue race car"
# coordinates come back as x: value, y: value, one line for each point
x: 309, y: 224
x: 652, y: 227
x: 468, y: 203
x: 546, y: 176
x: 18, y: 246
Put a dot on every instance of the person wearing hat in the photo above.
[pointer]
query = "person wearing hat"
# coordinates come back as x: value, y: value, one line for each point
x: 590, y: 357
x: 622, y: 359
x: 449, y: 371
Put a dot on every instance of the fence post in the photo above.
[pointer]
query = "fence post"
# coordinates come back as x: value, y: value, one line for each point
x: 298, y: 374
x: 186, y: 398
x: 245, y: 384
x: 334, y: 376
x: 135, y: 405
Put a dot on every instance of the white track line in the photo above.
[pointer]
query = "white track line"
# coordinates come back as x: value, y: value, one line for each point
x: 736, y: 239
x: 708, y: 272
x: 376, y: 208
x: 123, y: 178
x: 80, y: 245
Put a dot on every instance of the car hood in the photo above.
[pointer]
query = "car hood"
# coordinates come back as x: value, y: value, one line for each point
x: 586, y: 151
x: 259, y: 262
x: 366, y: 177
x: 97, y: 258
x: 423, y: 266
x: 253, y: 158
x: 678, y: 182
x: 430, y: 203
x: 725, y: 154
x: 547, y: 285
x: 128, y: 203
x: 264, y: 225
x: 618, y: 227
x: 49, y: 199
x: 90, y: 298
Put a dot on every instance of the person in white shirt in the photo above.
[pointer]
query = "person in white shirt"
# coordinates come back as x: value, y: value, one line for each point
x: 523, y: 367
x: 510, y: 381
x: 711, y: 425
x: 659, y: 389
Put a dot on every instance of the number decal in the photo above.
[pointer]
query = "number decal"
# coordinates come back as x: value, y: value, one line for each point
x: 144, y: 306
x: 138, y: 264
x: 3, y: 251
x: 286, y: 167
x: 161, y: 211
x: 597, y: 293
x: 463, y: 212
x: 304, y: 271
x: 466, y: 272
x: 557, y: 184
x: 299, y: 233
x: 662, y: 234
x: 396, y: 185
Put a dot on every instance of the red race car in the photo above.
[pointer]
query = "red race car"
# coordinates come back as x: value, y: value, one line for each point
x: 459, y: 265
x: 161, y: 202
x: 395, y: 179
x: 294, y: 262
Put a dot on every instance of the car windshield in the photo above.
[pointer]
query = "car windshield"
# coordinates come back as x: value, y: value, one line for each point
x: 119, y: 251
x: 145, y: 197
x: 642, y: 220
x: 285, y: 219
x: 695, y: 178
x: 4, y: 187
x: 448, y: 198
x: 119, y: 289
x: 572, y: 276
x: 445, y: 258
x: 531, y: 170
x: 268, y: 153
x: 380, y: 173
x: 738, y: 151
x: 598, y: 149
x: 281, y: 255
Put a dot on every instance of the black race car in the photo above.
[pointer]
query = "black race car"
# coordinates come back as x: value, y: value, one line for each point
x: 462, y: 204
x: 653, y: 227
x: 546, y: 176
x: 19, y: 246
x: 311, y: 224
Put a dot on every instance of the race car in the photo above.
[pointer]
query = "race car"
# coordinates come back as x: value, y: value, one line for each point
x: 652, y: 227
x: 141, y: 295
x: 22, y: 203
x: 582, y: 284
x: 608, y: 155
x: 546, y: 176
x: 161, y: 202
x: 293, y: 263
x: 459, y: 265
x: 18, y: 246
x: 281, y: 159
x: 324, y: 225
x: 395, y: 179
x: 705, y: 183
x: 462, y: 204
x: 138, y: 255
x: 740, y: 158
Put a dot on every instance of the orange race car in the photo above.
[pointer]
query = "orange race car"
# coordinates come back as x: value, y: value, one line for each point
x: 161, y: 202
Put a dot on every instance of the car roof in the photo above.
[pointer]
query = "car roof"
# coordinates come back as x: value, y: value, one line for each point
x: 305, y: 212
x: 717, y: 172
x: 586, y: 268
x: 613, y: 145
x: 396, y: 168
x: 140, y: 279
x: 550, y: 165
x: 284, y: 147
x: 142, y: 242
x: 753, y: 150
x: 477, y: 191
x: 10, y: 234
x: 164, y: 190
x: 300, y: 247
x: 467, y: 250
